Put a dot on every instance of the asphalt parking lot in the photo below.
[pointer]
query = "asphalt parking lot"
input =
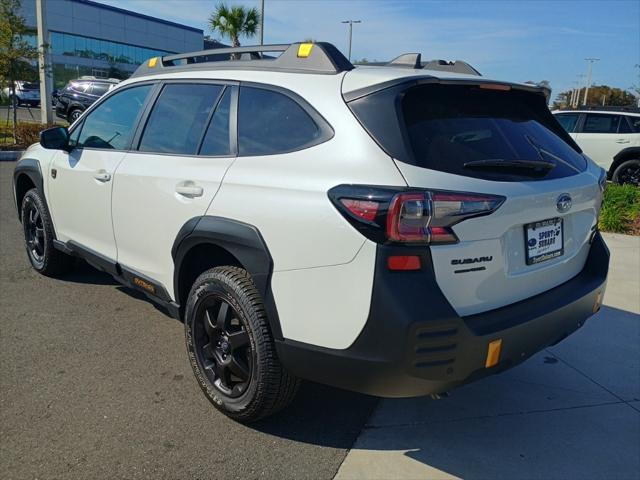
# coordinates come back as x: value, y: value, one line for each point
x: 95, y: 383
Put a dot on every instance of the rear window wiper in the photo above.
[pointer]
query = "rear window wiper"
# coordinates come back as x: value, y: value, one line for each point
x: 534, y: 166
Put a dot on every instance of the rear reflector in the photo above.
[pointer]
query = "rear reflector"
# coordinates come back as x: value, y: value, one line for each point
x: 403, y: 262
x: 493, y: 353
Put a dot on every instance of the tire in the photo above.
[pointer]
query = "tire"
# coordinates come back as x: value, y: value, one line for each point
x: 231, y: 349
x: 627, y: 172
x: 14, y: 100
x: 38, y: 237
x: 74, y: 114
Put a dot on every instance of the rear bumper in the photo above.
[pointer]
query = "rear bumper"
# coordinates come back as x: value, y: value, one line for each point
x: 413, y: 348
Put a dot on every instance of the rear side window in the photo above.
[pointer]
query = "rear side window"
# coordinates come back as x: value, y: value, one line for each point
x: 216, y: 139
x: 99, y: 89
x: 270, y: 122
x: 179, y: 117
x: 601, y: 123
x: 568, y: 121
x: 635, y: 123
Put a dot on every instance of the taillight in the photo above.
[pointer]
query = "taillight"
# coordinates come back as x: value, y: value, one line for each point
x: 386, y: 214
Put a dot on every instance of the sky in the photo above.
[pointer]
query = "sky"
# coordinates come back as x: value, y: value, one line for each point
x: 516, y: 40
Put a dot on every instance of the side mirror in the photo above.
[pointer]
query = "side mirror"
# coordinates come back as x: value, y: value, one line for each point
x: 56, y: 138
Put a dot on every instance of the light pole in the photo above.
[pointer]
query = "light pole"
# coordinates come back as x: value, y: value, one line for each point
x: 44, y: 65
x: 262, y: 22
x: 351, y: 22
x: 586, y: 90
x: 576, y: 100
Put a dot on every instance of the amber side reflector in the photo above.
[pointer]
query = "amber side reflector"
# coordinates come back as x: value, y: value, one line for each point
x: 493, y: 353
x: 598, y: 303
x: 152, y: 62
x: 403, y: 262
x: 304, y: 50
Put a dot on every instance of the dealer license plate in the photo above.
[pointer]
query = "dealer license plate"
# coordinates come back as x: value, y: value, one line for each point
x: 544, y: 240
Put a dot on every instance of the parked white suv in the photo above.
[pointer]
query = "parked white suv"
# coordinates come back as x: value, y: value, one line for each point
x: 390, y: 230
x: 610, y: 136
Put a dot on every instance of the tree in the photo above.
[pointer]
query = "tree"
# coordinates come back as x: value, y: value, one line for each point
x: 234, y: 22
x: 17, y: 54
x: 598, y: 95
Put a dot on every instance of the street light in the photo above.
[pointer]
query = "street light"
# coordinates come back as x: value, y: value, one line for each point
x: 586, y: 90
x: 351, y: 22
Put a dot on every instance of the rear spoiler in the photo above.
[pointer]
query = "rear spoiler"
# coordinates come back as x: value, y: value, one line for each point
x: 407, y: 82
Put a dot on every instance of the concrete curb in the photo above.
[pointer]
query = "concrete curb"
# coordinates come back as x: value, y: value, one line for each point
x: 10, y: 155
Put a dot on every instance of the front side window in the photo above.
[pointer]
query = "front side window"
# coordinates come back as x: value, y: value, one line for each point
x: 270, y: 123
x: 111, y: 124
x: 568, y: 121
x: 179, y: 118
x: 601, y: 123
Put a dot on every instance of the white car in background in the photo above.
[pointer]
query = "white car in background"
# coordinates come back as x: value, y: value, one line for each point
x: 611, y: 137
x: 26, y: 93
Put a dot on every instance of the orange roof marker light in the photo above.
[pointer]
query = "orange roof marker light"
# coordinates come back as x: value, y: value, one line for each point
x: 152, y: 62
x: 304, y: 50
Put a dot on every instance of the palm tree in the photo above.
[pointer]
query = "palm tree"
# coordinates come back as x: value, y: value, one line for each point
x: 235, y: 21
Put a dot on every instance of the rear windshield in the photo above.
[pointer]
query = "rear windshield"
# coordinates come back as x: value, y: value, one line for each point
x: 482, y: 133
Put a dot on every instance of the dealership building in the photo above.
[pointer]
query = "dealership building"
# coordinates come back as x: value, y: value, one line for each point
x: 90, y: 38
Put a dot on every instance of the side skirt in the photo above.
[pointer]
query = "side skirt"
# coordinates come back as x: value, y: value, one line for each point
x: 124, y: 275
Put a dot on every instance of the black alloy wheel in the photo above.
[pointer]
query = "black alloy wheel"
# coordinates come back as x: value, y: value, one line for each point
x: 34, y: 233
x: 222, y: 347
x: 231, y: 348
x: 629, y: 172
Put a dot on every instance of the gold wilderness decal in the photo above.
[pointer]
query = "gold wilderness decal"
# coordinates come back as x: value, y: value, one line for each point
x: 142, y: 284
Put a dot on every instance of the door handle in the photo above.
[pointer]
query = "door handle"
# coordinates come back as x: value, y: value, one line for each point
x: 622, y: 140
x: 102, y: 176
x: 189, y: 190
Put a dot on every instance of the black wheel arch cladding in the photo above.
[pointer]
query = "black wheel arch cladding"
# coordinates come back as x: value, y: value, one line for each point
x: 242, y: 241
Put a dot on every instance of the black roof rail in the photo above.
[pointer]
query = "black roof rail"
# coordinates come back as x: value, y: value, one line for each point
x: 457, y: 66
x: 317, y: 57
x: 414, y: 60
x: 410, y: 60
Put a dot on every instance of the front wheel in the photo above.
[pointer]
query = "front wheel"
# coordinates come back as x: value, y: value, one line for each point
x: 627, y: 172
x: 231, y: 349
x: 38, y: 237
x: 74, y: 115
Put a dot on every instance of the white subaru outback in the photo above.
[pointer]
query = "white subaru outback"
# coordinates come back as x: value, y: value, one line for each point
x: 394, y: 230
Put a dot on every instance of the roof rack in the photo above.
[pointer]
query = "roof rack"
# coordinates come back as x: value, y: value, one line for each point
x: 317, y: 57
x: 414, y: 60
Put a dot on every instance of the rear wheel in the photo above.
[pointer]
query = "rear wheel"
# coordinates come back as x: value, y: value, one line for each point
x: 38, y: 237
x: 231, y: 349
x: 627, y: 172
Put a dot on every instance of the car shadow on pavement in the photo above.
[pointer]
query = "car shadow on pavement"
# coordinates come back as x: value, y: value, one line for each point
x: 321, y: 415
x: 82, y: 272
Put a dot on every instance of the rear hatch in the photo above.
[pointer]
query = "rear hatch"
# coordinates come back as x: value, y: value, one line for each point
x: 493, y: 139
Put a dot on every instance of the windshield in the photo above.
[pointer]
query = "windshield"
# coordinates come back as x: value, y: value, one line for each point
x: 484, y: 133
x: 30, y: 86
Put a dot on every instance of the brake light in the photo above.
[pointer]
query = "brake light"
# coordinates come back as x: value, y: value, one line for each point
x: 365, y: 209
x: 386, y: 214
